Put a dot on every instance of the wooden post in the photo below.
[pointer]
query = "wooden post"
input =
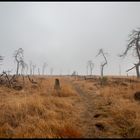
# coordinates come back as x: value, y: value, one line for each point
x: 57, y: 84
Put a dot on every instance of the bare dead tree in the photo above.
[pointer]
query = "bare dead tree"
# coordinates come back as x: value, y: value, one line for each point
x: 134, y: 43
x: 101, y: 52
x: 23, y: 66
x: 74, y: 74
x: 7, y: 79
x: 90, y: 65
x: 30, y: 64
x: 87, y: 68
x: 1, y: 59
x: 51, y: 71
x: 34, y: 66
x: 38, y: 71
x: 18, y: 58
x: 44, y: 67
x: 26, y: 67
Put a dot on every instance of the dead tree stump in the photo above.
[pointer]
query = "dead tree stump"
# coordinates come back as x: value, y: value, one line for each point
x: 57, y: 87
x: 57, y: 84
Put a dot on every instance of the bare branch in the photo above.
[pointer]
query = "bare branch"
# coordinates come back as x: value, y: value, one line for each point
x: 19, y: 58
x: 130, y: 69
x: 134, y: 42
x: 91, y: 65
x: 103, y: 64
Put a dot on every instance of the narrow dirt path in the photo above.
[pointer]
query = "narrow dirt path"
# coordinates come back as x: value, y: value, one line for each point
x: 86, y: 117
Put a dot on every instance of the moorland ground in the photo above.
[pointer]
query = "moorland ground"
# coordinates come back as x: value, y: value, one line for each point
x: 82, y: 108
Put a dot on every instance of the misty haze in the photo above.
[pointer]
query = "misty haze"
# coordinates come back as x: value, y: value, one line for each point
x: 69, y: 70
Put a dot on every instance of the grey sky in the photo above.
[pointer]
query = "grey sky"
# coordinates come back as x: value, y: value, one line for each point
x: 68, y: 34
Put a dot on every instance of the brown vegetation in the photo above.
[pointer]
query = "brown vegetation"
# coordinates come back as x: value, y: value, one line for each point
x: 81, y: 108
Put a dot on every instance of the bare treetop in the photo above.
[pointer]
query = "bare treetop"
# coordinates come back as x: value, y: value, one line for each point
x: 134, y: 43
x: 101, y: 52
x: 44, y: 67
x: 19, y: 58
x: 18, y: 54
x: 91, y: 65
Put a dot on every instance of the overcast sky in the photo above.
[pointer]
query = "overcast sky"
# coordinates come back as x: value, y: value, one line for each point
x: 66, y: 35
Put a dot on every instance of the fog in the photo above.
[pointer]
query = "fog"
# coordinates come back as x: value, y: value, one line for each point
x: 66, y: 35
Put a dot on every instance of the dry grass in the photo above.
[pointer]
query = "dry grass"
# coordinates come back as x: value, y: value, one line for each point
x: 116, y: 108
x: 36, y: 112
x: 39, y: 111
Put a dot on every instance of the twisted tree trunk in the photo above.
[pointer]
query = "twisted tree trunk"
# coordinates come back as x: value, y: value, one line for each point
x: 102, y: 70
x: 17, y: 68
x: 137, y: 70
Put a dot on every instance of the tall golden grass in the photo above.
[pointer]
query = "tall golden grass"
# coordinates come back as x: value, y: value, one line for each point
x: 119, y: 111
x: 39, y: 111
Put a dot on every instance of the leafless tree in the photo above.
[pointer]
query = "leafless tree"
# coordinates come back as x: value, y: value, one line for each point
x: 26, y: 67
x: 38, y: 71
x: 90, y: 64
x: 1, y: 59
x: 74, y: 74
x: 51, y: 71
x: 30, y: 67
x: 18, y: 58
x: 87, y: 68
x: 23, y: 66
x: 44, y: 67
x: 34, y: 66
x: 134, y: 43
x: 101, y: 52
x: 8, y: 83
